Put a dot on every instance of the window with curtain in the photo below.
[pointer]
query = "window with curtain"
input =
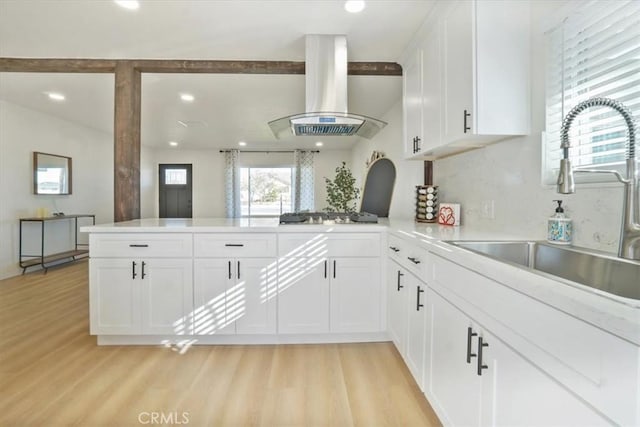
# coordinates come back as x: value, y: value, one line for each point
x: 232, y: 183
x: 593, y: 52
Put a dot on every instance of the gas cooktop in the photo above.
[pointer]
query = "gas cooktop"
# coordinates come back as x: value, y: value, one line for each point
x: 321, y: 217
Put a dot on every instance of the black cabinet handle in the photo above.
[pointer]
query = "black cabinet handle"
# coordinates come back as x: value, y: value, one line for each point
x: 418, y: 144
x: 325, y: 268
x: 138, y: 246
x: 394, y: 249
x: 481, y: 345
x: 334, y: 268
x: 399, y: 276
x: 238, y: 270
x: 418, y: 305
x: 229, y: 269
x: 467, y: 115
x: 470, y: 335
x: 414, y: 144
x: 234, y: 245
x: 133, y: 270
x: 413, y: 260
x: 143, y: 264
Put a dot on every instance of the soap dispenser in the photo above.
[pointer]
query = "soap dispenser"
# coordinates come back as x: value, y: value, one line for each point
x: 560, y: 228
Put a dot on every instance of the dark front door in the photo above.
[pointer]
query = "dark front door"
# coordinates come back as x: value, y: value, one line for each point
x: 175, y: 191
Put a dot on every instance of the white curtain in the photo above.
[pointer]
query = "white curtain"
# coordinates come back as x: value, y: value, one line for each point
x: 303, y: 185
x: 232, y: 183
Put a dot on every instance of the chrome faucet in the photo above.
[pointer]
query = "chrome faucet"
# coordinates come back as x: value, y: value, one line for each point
x: 630, y: 230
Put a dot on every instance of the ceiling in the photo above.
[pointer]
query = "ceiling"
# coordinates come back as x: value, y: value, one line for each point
x: 227, y: 108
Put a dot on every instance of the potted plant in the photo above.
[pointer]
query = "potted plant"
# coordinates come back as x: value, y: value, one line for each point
x: 342, y: 193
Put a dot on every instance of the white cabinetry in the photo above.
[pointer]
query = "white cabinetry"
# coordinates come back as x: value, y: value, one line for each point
x: 475, y: 77
x: 416, y: 329
x: 138, y: 285
x: 397, y: 300
x: 413, y: 103
x: 329, y: 283
x: 477, y: 380
x: 235, y: 284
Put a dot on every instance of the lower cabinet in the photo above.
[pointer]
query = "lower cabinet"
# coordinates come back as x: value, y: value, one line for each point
x: 475, y: 379
x: 140, y: 296
x: 235, y: 296
x: 416, y: 310
x: 397, y: 303
x: 320, y: 295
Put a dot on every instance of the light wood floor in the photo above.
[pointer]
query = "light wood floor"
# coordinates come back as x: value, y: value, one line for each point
x: 52, y: 373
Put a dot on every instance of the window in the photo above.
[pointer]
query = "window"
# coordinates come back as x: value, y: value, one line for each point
x: 593, y: 52
x: 265, y: 191
x: 175, y: 176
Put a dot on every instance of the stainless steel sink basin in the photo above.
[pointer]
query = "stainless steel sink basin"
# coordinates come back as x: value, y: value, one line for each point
x: 597, y: 270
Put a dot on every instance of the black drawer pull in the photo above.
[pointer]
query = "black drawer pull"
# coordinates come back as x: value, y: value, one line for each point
x: 138, y: 246
x: 325, y: 268
x: 413, y: 260
x: 143, y: 274
x: 133, y: 270
x: 238, y: 272
x: 394, y: 249
x: 481, y: 345
x: 418, y: 305
x: 229, y: 269
x: 334, y: 268
x: 234, y: 245
x: 470, y: 335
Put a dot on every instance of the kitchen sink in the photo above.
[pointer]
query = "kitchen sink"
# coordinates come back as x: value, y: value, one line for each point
x: 595, y: 269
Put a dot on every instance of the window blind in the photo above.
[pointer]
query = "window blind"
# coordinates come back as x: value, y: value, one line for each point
x: 594, y: 52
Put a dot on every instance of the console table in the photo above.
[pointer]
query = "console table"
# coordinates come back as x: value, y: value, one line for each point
x: 46, y: 261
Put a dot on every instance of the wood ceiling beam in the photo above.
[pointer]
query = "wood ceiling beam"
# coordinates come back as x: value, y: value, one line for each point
x: 70, y: 65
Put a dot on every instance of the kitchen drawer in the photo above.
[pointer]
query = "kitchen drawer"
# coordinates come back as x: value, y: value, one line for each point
x: 134, y: 245
x: 408, y: 255
x: 329, y: 244
x: 232, y: 245
x: 596, y: 365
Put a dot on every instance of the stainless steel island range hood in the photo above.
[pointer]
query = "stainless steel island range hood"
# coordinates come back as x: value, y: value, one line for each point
x: 326, y: 95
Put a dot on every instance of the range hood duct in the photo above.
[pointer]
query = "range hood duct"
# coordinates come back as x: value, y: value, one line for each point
x: 326, y: 95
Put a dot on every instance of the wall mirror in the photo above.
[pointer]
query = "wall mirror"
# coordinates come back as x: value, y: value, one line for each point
x: 51, y: 174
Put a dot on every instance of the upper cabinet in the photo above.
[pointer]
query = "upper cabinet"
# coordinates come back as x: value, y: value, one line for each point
x: 467, y: 78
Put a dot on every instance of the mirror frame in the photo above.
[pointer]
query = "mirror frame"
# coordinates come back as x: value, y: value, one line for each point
x: 36, y: 155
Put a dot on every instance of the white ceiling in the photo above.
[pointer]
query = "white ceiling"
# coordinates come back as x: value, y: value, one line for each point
x: 227, y: 108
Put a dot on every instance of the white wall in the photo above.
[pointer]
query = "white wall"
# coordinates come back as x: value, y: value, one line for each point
x: 509, y: 173
x: 408, y: 173
x: 208, y: 175
x: 23, y: 131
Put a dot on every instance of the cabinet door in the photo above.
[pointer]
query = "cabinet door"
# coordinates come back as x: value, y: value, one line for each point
x: 416, y: 328
x: 453, y: 387
x: 355, y: 295
x: 303, y: 295
x: 412, y: 101
x: 114, y: 296
x: 255, y: 296
x: 458, y: 70
x: 167, y: 296
x: 515, y: 392
x: 214, y: 304
x: 432, y: 89
x: 397, y: 293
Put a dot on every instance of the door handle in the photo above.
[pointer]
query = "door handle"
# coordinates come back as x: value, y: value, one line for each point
x: 143, y: 264
x: 133, y: 270
x: 470, y: 335
x: 418, y: 305
x: 481, y: 345
x: 467, y: 115
x: 399, y: 285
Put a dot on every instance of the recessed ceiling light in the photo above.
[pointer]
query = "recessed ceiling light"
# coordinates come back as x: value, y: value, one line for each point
x: 354, y: 6
x: 187, y: 97
x: 242, y: 143
x: 55, y: 96
x: 319, y: 144
x: 128, y: 4
x: 173, y: 143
